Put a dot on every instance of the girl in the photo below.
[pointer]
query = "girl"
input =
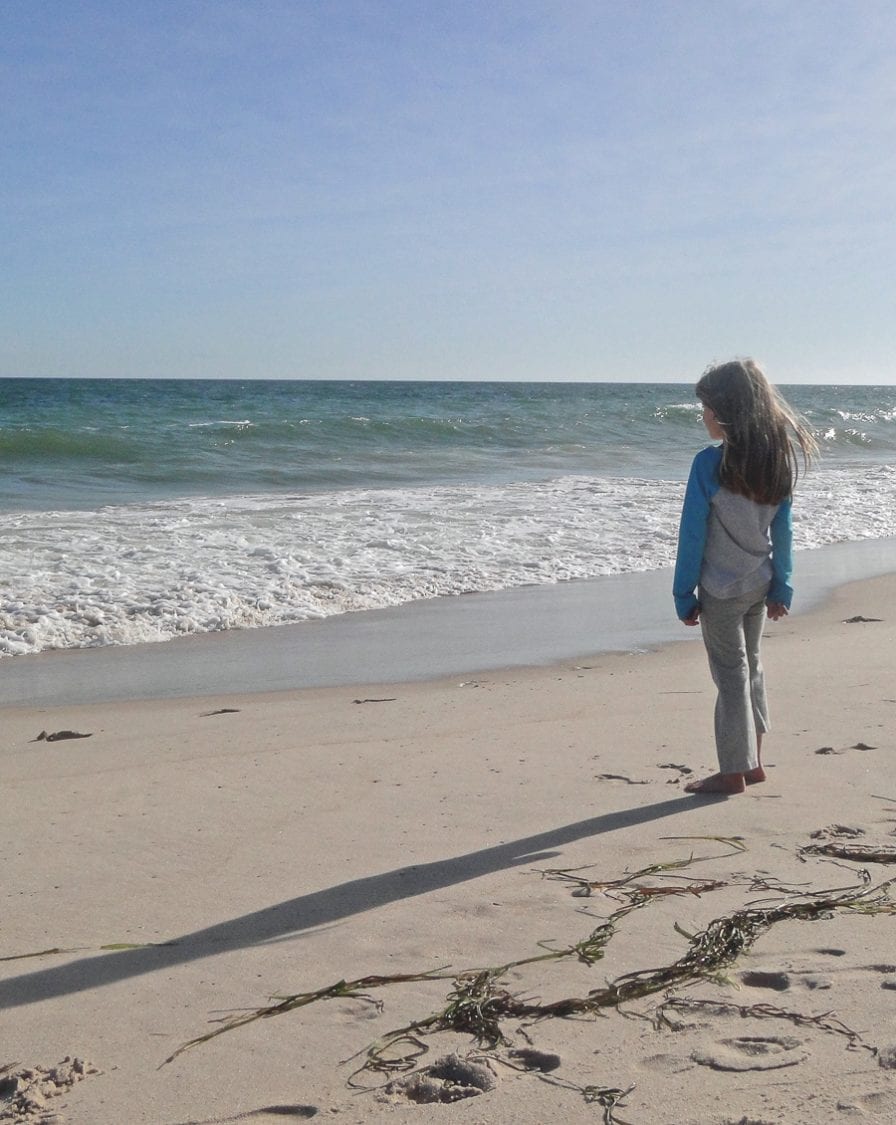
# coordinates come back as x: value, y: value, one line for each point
x: 734, y: 549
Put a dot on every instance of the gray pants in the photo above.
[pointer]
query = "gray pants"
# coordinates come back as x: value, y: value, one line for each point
x: 732, y: 632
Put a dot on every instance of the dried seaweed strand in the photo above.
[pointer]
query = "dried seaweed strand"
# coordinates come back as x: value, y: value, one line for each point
x: 477, y: 1004
x: 858, y: 853
x: 41, y: 953
x: 355, y: 989
x: 725, y: 939
x: 826, y: 1021
x: 584, y: 887
x: 111, y: 947
x: 608, y: 1097
x: 469, y: 1004
x: 710, y: 951
x: 735, y: 843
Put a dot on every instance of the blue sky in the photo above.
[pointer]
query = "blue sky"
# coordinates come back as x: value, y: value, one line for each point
x: 461, y: 190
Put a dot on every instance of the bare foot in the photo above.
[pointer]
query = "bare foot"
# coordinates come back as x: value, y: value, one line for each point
x: 725, y: 783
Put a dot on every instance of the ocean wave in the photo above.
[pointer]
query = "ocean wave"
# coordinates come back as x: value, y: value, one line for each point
x: 874, y: 416
x: 52, y: 446
x: 679, y: 411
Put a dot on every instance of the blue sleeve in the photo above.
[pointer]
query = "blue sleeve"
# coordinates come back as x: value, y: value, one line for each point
x: 781, y: 535
x: 703, y: 483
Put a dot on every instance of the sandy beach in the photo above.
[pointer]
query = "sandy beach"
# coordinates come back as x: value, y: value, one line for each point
x: 197, y: 859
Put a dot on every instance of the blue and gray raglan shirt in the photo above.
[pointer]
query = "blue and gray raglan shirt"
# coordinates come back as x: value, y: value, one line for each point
x: 729, y: 544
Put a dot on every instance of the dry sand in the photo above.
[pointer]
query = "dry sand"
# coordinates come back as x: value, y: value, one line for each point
x: 255, y: 846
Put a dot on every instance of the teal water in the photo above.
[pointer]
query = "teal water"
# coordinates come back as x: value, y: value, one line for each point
x: 80, y: 443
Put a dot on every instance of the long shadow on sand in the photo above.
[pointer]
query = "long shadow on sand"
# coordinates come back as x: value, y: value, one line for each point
x: 319, y: 908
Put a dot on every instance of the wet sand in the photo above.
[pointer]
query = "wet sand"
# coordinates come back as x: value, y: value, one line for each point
x: 427, y: 640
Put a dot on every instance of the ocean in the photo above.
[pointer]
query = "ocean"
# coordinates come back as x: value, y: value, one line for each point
x: 142, y: 510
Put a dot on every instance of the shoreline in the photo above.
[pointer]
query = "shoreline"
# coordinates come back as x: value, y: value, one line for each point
x: 531, y: 626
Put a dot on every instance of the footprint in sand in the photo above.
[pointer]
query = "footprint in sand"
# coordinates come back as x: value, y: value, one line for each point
x: 836, y: 831
x: 25, y: 1090
x: 449, y: 1079
x: 766, y: 978
x: 779, y: 981
x: 529, y: 1058
x: 886, y: 1057
x: 749, y: 1121
x: 879, y: 1104
x: 816, y: 982
x: 753, y: 1053
x: 667, y: 1064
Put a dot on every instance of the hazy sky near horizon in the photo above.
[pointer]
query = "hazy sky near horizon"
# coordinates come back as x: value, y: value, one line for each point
x: 457, y: 189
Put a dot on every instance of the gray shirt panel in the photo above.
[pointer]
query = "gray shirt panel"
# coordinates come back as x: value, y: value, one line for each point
x: 737, y: 556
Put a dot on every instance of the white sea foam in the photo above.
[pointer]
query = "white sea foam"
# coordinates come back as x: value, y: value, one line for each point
x: 127, y: 574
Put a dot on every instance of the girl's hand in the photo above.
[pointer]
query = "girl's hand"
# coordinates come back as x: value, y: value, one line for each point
x: 776, y: 611
x: 693, y: 618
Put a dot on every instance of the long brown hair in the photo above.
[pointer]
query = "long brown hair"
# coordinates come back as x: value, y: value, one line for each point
x: 759, y: 459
